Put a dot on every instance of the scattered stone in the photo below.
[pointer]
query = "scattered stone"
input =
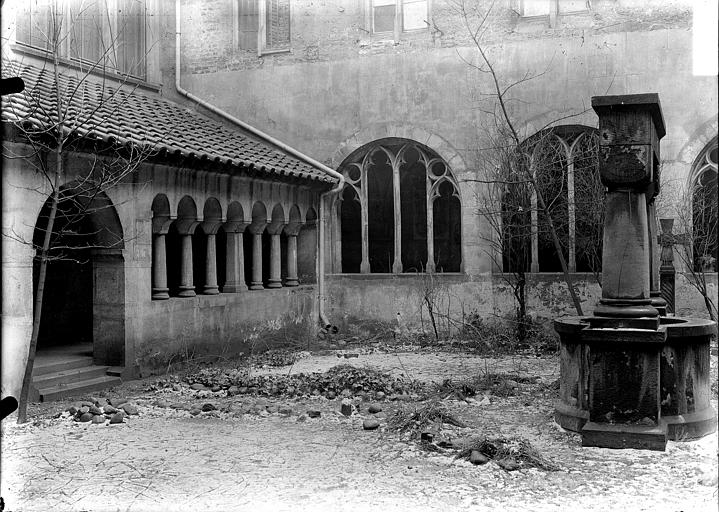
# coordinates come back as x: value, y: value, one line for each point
x: 302, y: 418
x: 484, y: 401
x: 508, y: 464
x: 444, y: 442
x: 118, y: 417
x: 380, y: 395
x: 512, y: 384
x: 208, y: 408
x: 86, y: 404
x: 84, y: 409
x: 197, y: 386
x: 232, y: 390
x: 243, y: 390
x: 215, y: 389
x: 346, y: 393
x: 72, y: 410
x: 264, y: 413
x: 351, y: 355
x: 162, y: 403
x: 130, y: 409
x: 272, y: 409
x: 98, y: 419
x: 108, y: 409
x: 374, y: 408
x: 118, y: 403
x: 370, y: 424
x: 316, y: 392
x: 86, y: 416
x: 646, y: 421
x: 176, y: 387
x: 195, y: 411
x: 346, y: 407
x: 314, y: 413
x: 478, y: 458
x: 331, y: 395
x: 94, y: 410
x: 285, y: 410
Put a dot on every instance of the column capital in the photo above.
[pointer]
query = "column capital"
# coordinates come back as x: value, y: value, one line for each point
x: 257, y: 228
x: 161, y: 225
x: 186, y: 226
x: 235, y: 226
x: 275, y: 227
x: 293, y: 228
x: 210, y: 227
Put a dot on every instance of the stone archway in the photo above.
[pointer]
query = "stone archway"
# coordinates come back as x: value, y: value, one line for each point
x: 84, y: 298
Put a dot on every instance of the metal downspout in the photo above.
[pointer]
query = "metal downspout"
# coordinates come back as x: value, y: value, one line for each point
x: 324, y: 197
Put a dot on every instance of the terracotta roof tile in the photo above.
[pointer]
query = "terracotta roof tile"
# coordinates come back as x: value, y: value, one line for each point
x: 131, y: 117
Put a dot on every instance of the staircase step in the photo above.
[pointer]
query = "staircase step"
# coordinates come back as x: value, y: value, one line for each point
x: 52, y: 365
x: 47, y: 380
x: 78, y: 388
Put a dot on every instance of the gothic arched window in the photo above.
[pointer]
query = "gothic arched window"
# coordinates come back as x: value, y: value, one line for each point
x: 400, y: 210
x: 564, y: 163
x: 705, y: 246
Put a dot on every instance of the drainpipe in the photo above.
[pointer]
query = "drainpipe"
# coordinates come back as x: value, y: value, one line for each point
x: 324, y: 197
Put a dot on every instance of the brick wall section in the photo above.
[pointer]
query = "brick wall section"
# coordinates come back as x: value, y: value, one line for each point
x: 336, y: 30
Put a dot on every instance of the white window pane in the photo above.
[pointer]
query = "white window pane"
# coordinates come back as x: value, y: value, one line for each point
x: 536, y: 7
x: 384, y: 18
x: 414, y: 15
x: 567, y: 6
x: 378, y: 3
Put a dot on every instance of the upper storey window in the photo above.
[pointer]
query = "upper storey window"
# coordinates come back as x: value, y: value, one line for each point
x: 535, y: 8
x: 391, y: 16
x: 104, y: 34
x: 262, y: 25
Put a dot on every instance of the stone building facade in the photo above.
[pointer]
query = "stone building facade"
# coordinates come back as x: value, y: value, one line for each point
x: 219, y: 229
x: 360, y: 77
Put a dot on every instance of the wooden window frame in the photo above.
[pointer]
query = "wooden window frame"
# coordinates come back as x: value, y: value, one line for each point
x: 398, y: 29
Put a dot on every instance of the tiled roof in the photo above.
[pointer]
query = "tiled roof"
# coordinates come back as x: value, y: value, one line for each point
x: 122, y: 115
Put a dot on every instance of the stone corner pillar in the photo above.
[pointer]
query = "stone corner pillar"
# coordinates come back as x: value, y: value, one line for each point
x: 160, y: 228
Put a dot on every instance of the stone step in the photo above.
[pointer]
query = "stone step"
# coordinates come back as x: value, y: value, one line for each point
x: 49, y: 380
x: 76, y: 389
x: 59, y: 364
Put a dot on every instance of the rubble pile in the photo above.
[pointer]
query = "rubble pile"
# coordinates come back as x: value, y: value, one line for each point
x: 96, y: 411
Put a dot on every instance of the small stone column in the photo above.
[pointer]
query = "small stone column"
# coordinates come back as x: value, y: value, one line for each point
x: 275, y: 229
x: 291, y: 231
x: 234, y: 258
x: 667, y: 272
x: 210, y: 228
x: 186, y: 228
x: 256, y: 229
x: 160, y: 227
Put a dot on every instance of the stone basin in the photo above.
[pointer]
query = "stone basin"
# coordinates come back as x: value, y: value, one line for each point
x: 684, y: 381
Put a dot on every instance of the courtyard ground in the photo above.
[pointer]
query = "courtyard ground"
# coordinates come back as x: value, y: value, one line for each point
x: 264, y: 453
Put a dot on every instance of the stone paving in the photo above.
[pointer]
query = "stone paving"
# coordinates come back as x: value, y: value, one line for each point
x: 166, y: 460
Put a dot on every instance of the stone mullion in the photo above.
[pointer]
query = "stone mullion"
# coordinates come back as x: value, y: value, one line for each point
x: 534, y: 266
x: 571, y: 212
x: 275, y: 279
x: 234, y: 260
x: 364, y: 216
x: 397, y: 259
x: 257, y: 230
x: 431, y: 264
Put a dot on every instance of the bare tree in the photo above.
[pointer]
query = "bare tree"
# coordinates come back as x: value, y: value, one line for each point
x: 56, y: 123
x: 549, y: 196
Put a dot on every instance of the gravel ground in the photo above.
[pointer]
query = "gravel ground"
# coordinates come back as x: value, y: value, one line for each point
x: 164, y: 459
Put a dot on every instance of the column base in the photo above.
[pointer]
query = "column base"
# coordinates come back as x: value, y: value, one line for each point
x: 211, y: 290
x: 160, y: 293
x: 274, y: 284
x: 256, y: 286
x: 186, y: 292
x: 621, y: 436
x: 234, y: 288
x: 625, y: 308
x: 292, y: 282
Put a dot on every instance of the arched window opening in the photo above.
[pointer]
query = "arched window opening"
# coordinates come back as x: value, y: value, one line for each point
x: 386, y: 213
x: 564, y: 162
x: 351, y: 225
x: 447, y: 221
x: 413, y: 201
x: 380, y: 211
x: 550, y: 172
x: 199, y: 254
x: 705, y: 243
x: 173, y: 248
x: 221, y: 257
